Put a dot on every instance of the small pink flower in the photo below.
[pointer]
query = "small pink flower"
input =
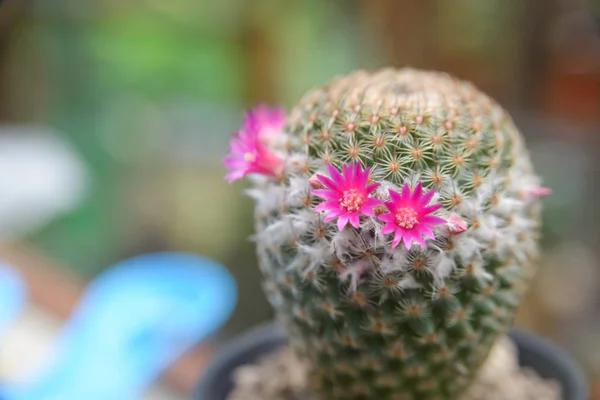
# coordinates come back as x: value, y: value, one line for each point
x: 267, y: 122
x: 409, y: 216
x: 315, y: 183
x: 536, y: 193
x: 347, y: 195
x: 456, y: 225
x: 249, y: 155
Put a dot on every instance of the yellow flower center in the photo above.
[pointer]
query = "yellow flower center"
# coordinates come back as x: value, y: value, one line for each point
x: 352, y: 200
x: 406, y: 217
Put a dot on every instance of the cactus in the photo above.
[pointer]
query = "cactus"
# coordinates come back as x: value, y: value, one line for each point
x: 397, y: 220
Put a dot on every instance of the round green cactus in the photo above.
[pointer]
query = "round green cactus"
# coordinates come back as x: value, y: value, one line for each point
x: 396, y: 227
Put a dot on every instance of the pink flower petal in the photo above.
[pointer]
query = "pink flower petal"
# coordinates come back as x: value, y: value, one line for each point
x: 431, y: 209
x: 410, y: 236
x: 268, y: 122
x: 335, y: 175
x: 325, y: 194
x: 370, y: 204
x: 328, y: 205
x: 347, y: 171
x: 408, y: 241
x: 333, y: 214
x: 315, y: 183
x: 388, y: 228
x: 372, y: 187
x: 389, y: 218
x: 426, y: 198
x: 390, y: 206
x: 363, y: 176
x: 426, y: 231
x: 355, y: 220
x: 238, y: 147
x: 536, y: 193
x: 433, y: 220
x: 327, y: 182
x: 419, y: 239
x: 234, y: 176
x: 356, y: 172
x: 456, y: 224
x: 406, y: 191
x: 342, y: 221
x: 397, y: 238
x: 542, y: 192
x: 417, y: 193
x: 395, y: 196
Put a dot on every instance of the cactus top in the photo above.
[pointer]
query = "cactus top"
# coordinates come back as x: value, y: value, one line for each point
x: 408, y: 130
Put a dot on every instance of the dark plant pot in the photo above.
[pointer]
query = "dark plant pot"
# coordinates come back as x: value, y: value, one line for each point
x: 548, y: 360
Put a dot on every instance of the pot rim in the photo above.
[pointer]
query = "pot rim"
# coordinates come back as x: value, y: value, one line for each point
x: 269, y: 335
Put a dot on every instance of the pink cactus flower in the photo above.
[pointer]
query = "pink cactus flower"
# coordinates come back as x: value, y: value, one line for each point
x: 249, y: 155
x: 410, y: 216
x: 315, y: 183
x: 347, y: 195
x: 456, y: 225
x: 267, y: 122
x: 536, y: 193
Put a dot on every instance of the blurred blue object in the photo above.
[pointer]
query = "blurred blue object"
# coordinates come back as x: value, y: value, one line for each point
x: 133, y: 321
x: 12, y: 296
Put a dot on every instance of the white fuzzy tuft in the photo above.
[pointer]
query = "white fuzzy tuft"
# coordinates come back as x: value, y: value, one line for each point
x: 466, y: 247
x: 394, y: 260
x: 479, y: 271
x: 342, y: 243
x: 442, y: 266
x: 316, y: 255
x: 297, y: 191
x: 277, y: 233
x: 296, y: 162
x: 269, y: 198
x: 354, y: 272
x: 409, y: 282
x: 507, y: 206
x: 304, y: 221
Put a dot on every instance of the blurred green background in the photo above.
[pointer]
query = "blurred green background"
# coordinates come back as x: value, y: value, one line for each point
x: 147, y: 93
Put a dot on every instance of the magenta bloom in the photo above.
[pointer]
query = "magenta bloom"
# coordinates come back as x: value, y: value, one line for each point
x: 249, y: 155
x: 536, y: 193
x: 268, y: 122
x: 347, y: 195
x: 410, y: 216
x: 456, y: 225
x: 248, y: 152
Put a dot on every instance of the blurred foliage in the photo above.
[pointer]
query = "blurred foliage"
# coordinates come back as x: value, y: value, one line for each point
x: 169, y: 59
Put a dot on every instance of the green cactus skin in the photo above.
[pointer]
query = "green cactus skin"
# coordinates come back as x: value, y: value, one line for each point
x: 376, y: 322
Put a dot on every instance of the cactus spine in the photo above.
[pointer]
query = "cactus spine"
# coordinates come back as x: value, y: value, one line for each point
x: 375, y: 320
